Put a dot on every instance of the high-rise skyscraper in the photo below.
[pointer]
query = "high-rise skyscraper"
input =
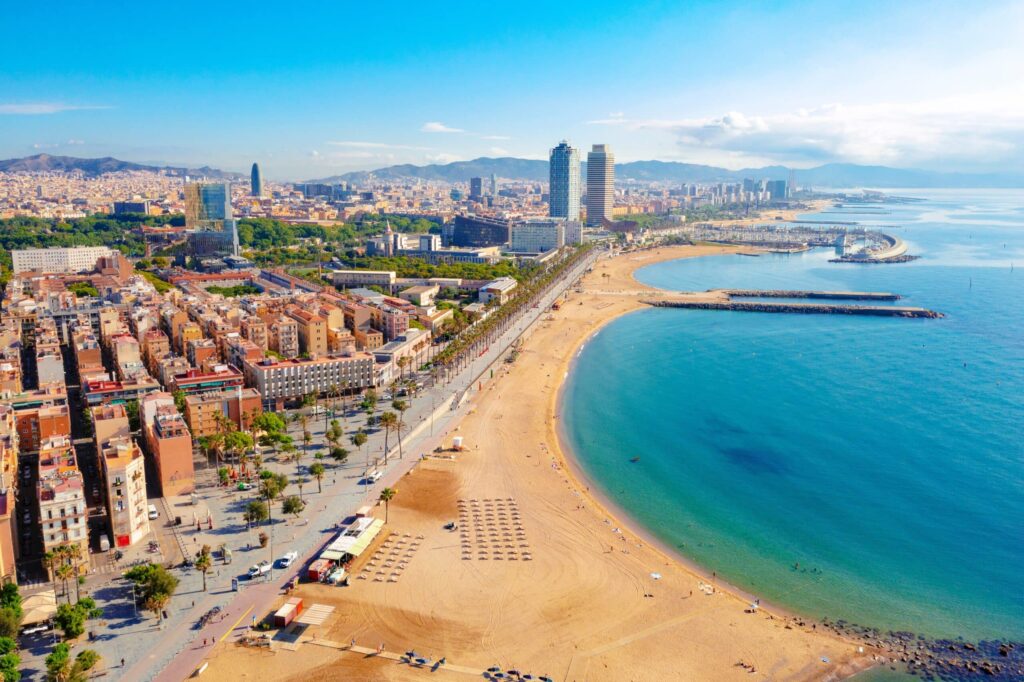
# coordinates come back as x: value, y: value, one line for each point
x: 494, y: 185
x: 564, y: 182
x: 208, y: 216
x: 476, y: 188
x: 600, y: 185
x: 257, y: 181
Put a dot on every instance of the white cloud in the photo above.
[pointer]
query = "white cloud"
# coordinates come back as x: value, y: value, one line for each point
x: 75, y: 142
x: 36, y: 108
x: 443, y: 157
x: 438, y: 127
x: 983, y: 128
x: 315, y: 154
x: 498, y: 151
x: 375, y: 145
x: 495, y: 137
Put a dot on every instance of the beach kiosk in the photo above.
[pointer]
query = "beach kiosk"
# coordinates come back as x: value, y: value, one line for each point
x: 319, y: 569
x: 353, y: 539
x: 288, y: 612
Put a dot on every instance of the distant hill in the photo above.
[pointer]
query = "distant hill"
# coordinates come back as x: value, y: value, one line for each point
x: 828, y: 175
x: 95, y: 167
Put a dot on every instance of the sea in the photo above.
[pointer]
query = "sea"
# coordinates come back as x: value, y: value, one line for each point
x: 859, y: 468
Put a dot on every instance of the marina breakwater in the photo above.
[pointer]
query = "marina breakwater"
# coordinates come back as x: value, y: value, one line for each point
x: 725, y: 299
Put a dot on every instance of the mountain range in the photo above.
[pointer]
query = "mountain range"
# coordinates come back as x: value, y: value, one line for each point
x: 511, y: 168
x: 828, y: 175
x: 95, y: 167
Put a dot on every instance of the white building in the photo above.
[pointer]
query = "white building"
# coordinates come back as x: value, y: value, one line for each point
x: 282, y: 380
x: 124, y: 473
x: 500, y: 290
x: 537, y: 235
x: 59, y: 259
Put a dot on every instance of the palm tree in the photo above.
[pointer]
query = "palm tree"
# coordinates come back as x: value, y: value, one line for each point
x: 203, y: 564
x: 404, y: 362
x: 51, y: 561
x: 156, y: 604
x: 317, y: 471
x: 388, y: 420
x: 399, y: 406
x: 73, y: 555
x: 385, y: 497
x: 65, y: 573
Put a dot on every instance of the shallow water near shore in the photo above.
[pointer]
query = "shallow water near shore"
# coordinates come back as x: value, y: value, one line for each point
x: 866, y: 469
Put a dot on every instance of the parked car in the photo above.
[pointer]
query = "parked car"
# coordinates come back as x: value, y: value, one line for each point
x: 244, y: 485
x: 288, y: 559
x: 153, y: 513
x: 259, y: 569
x: 35, y: 628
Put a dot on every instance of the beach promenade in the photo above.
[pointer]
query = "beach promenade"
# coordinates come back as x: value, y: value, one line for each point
x: 595, y: 600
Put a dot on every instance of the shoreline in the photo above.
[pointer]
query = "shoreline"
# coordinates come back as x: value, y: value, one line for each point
x: 584, y: 604
x: 599, y: 497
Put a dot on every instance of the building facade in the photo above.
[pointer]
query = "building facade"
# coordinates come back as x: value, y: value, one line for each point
x: 564, y: 182
x: 537, y: 235
x: 169, y: 442
x: 59, y: 259
x: 279, y: 381
x: 209, y: 218
x: 203, y: 411
x: 600, y: 185
x: 124, y: 477
x: 256, y: 179
x: 60, y: 494
x: 477, y: 231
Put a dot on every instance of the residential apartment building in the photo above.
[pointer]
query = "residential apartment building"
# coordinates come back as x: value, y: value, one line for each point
x: 255, y: 329
x: 283, y: 336
x: 60, y: 494
x: 218, y: 378
x: 280, y: 381
x: 124, y: 477
x: 9, y: 549
x: 203, y: 410
x: 312, y: 330
x: 40, y: 415
x: 97, y: 391
x: 169, y: 442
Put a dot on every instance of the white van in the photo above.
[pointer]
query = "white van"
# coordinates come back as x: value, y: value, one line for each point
x: 153, y: 513
x: 104, y: 543
x: 373, y: 476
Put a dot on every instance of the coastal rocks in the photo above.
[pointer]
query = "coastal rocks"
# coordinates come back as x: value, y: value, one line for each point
x: 939, y: 659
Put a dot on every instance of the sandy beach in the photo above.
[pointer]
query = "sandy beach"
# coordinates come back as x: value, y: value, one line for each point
x: 540, y: 576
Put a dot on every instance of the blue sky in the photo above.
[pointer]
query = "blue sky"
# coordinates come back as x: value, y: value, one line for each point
x: 314, y: 88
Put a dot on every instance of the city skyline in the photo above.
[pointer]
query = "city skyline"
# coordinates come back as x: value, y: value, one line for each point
x: 707, y: 84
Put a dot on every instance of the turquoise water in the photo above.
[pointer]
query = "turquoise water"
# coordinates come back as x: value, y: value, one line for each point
x: 870, y: 469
